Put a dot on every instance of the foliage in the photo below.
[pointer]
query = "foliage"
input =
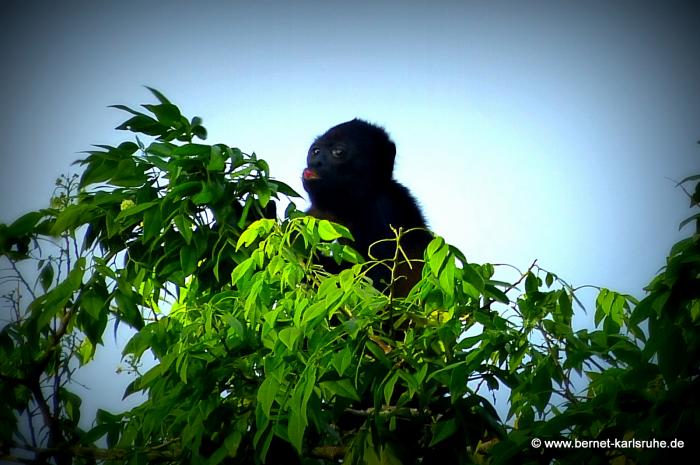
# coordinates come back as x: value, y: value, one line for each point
x: 262, y: 356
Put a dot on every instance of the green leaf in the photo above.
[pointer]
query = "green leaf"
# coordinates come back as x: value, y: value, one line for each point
x: 95, y: 434
x: 54, y: 300
x: 258, y: 228
x: 205, y: 196
x: 263, y: 191
x: 161, y: 98
x: 184, y: 227
x: 496, y: 294
x: 297, y: 408
x: 442, y: 430
x: 289, y: 336
x: 695, y: 177
x: 695, y: 217
x: 341, y: 388
x: 86, y: 351
x: 283, y: 188
x: 140, y: 342
x: 152, y: 223
x: 314, y: 311
x: 98, y: 170
x: 436, y: 255
x: 135, y: 210
x: 266, y: 394
x: 128, y: 174
x: 247, y: 238
x: 565, y: 307
x: 388, y: 388
x: 542, y: 386
x: 617, y: 308
x: 167, y: 113
x: 93, y: 302
x: 46, y: 276
x: 191, y: 150
x: 188, y: 259
x: 72, y: 217
x: 128, y: 310
x: 327, y: 231
x: 126, y: 109
x: 161, y: 149
x: 549, y: 279
x: 217, y: 161
x: 24, y: 224
x: 143, y: 124
x: 531, y: 283
x: 472, y: 276
x: 241, y: 270
x: 181, y: 366
x: 198, y: 130
x: 672, y: 351
x: 71, y: 404
x: 342, y: 360
x: 447, y: 278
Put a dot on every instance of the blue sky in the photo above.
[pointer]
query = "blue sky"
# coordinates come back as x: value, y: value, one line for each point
x: 527, y: 130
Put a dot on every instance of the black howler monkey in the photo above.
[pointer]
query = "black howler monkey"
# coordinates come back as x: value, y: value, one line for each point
x: 349, y: 178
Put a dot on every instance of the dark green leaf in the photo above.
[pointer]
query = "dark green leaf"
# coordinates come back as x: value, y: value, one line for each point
x: 695, y: 217
x: 191, y: 150
x: 442, y: 430
x: 125, y: 108
x: 143, y: 124
x: 24, y: 224
x: 217, y: 162
x: 289, y: 336
x: 342, y: 388
x: 161, y: 98
x: 188, y: 259
x: 184, y: 227
x: 266, y: 394
x: 389, y: 388
x: 46, y: 276
x: 167, y: 113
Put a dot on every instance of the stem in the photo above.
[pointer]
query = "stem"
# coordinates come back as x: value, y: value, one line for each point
x: 21, y: 278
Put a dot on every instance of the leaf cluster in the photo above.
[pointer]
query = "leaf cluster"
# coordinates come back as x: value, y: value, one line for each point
x: 262, y: 356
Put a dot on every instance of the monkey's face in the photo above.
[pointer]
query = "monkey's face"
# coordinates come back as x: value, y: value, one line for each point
x: 332, y: 163
x: 347, y: 162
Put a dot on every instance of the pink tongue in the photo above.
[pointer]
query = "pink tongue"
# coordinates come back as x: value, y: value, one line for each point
x: 309, y: 174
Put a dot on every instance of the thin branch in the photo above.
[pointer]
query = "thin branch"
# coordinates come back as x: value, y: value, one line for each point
x: 522, y: 276
x: 488, y: 302
x: 21, y: 278
x: 43, y: 361
x: 388, y: 410
x: 568, y: 394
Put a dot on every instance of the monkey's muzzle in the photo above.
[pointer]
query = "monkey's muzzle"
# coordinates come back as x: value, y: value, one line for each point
x: 310, y: 174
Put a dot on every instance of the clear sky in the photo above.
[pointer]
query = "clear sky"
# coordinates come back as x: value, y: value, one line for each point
x: 527, y: 130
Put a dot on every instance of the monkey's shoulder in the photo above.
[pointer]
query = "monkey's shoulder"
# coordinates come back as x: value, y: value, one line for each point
x: 322, y: 214
x: 397, y: 206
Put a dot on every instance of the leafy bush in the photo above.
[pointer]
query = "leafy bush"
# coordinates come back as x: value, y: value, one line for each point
x: 262, y: 356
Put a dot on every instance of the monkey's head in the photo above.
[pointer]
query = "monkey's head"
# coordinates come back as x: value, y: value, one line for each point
x: 350, y: 161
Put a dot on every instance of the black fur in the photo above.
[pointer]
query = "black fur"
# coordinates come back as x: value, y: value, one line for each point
x: 349, y: 178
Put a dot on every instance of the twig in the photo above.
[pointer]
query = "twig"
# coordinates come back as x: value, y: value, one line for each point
x: 522, y: 276
x: 21, y: 278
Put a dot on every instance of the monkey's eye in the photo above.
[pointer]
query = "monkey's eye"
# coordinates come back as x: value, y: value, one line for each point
x: 315, y: 151
x: 337, y: 152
